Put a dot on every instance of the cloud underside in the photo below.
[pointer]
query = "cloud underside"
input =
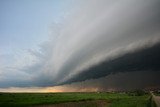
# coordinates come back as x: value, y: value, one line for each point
x: 122, y: 81
x: 116, y: 82
x: 146, y: 59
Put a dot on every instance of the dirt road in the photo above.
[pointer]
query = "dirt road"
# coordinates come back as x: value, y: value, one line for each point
x: 156, y: 99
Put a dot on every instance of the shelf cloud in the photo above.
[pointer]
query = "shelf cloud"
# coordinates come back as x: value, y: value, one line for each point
x: 98, y: 38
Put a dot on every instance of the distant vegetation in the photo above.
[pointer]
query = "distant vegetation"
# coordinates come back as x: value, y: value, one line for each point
x: 137, y: 93
x: 157, y: 93
x: 139, y: 99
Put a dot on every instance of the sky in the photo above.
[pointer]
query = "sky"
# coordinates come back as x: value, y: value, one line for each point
x: 67, y: 45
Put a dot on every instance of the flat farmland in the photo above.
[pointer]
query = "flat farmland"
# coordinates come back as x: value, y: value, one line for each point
x: 91, y: 99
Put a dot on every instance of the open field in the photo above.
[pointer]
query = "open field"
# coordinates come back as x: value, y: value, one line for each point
x: 85, y: 99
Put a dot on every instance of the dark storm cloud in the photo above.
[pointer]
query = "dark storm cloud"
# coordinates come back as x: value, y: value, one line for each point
x: 121, y: 81
x: 147, y: 59
x: 108, y: 34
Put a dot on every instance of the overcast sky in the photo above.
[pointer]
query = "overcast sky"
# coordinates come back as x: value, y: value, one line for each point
x: 45, y: 43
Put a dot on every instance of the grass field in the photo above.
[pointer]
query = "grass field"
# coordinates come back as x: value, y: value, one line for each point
x: 31, y: 99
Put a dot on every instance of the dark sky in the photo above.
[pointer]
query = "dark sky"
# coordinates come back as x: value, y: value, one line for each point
x: 146, y: 59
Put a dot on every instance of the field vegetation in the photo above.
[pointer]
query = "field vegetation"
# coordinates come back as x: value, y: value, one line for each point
x: 121, y: 99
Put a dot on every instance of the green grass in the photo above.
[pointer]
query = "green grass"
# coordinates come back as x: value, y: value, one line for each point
x: 29, y: 99
x: 138, y: 101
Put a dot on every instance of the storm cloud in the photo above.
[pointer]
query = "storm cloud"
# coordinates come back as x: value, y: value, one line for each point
x: 97, y: 38
x: 139, y: 60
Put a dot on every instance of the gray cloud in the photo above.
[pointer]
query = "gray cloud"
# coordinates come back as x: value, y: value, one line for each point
x: 102, y: 30
x: 95, y: 31
x: 117, y: 82
x: 146, y: 59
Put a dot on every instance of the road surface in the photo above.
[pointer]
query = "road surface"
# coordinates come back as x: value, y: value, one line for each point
x: 156, y: 99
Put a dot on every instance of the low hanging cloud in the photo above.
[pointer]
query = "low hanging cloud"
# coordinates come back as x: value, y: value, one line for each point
x: 98, y: 38
x: 146, y: 59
